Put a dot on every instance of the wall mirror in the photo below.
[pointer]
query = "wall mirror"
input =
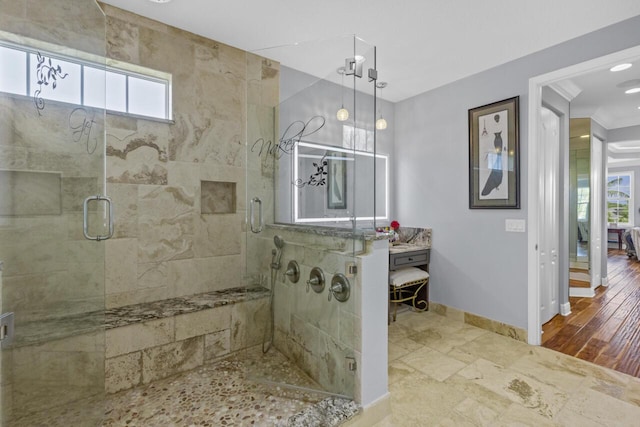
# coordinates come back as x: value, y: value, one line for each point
x: 324, y: 175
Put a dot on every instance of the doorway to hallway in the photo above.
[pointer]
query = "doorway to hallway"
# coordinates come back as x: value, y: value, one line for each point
x: 603, y: 329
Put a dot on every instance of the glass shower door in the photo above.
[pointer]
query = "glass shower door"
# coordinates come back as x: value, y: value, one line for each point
x: 52, y: 153
x: 301, y: 238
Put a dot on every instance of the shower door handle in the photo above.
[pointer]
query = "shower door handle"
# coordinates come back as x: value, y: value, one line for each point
x: 85, y: 218
x: 255, y: 229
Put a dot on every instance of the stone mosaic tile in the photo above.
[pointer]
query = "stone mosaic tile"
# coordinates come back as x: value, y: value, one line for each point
x: 218, y: 394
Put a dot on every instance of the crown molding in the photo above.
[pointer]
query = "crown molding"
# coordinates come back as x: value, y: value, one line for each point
x: 566, y: 89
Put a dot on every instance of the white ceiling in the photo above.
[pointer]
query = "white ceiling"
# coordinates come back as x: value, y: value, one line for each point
x: 421, y: 44
x: 600, y: 94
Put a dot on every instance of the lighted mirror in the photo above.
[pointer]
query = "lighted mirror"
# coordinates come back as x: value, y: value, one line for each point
x: 323, y: 177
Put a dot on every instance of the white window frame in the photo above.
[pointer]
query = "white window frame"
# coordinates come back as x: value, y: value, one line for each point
x: 122, y: 69
x: 631, y: 176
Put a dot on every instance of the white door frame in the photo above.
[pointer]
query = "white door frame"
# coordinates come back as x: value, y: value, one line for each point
x: 537, y: 224
x: 595, y: 217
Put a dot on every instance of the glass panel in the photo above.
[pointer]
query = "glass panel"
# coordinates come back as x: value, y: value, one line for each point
x: 52, y: 278
x: 94, y: 82
x: 55, y: 79
x: 117, y: 92
x: 13, y: 71
x: 147, y: 98
x: 579, y: 193
x: 303, y: 171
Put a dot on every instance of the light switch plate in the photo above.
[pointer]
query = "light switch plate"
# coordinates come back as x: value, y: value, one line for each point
x: 515, y: 225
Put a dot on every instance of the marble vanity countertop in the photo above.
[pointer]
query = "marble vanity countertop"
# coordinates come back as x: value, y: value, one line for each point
x: 406, y: 247
x: 345, y: 233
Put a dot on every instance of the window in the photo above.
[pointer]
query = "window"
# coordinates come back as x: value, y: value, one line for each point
x: 80, y: 82
x: 583, y: 203
x: 620, y: 198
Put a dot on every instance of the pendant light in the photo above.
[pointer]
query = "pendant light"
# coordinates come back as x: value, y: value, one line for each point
x: 381, y: 123
x: 343, y: 113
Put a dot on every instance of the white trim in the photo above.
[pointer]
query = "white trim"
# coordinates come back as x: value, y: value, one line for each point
x: 566, y: 89
x: 605, y: 282
x: 597, y: 203
x: 381, y: 400
x: 565, y: 309
x: 581, y: 292
x: 535, y: 101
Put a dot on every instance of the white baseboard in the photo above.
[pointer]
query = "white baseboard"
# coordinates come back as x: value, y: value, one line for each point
x: 372, y: 413
x: 581, y: 292
x: 565, y: 309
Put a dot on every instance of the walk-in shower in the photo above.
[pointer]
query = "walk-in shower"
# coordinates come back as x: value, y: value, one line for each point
x: 182, y: 190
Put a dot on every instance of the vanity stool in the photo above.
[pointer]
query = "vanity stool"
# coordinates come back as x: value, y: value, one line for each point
x: 405, y: 285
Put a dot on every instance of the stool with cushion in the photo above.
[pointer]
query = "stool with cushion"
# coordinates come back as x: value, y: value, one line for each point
x: 405, y: 285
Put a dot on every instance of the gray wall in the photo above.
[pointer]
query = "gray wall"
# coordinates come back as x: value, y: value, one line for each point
x: 631, y: 133
x: 475, y: 265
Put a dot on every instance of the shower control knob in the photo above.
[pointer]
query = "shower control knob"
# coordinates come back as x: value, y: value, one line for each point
x: 316, y: 280
x: 340, y: 288
x: 293, y: 271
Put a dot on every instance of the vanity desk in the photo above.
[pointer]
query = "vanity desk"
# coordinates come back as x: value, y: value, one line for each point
x: 406, y: 255
x: 413, y: 250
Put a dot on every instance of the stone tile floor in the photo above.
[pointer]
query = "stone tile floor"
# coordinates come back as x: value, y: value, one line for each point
x: 217, y: 394
x: 443, y: 372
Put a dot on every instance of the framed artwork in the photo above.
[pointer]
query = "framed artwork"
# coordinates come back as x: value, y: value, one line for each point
x: 494, y: 156
x: 337, y: 180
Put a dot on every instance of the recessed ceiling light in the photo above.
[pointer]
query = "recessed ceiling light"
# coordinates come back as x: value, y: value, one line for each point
x: 620, y: 67
x: 633, y: 90
x: 159, y: 1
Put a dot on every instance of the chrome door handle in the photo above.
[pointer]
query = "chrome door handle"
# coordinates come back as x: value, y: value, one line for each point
x: 85, y: 218
x: 255, y: 229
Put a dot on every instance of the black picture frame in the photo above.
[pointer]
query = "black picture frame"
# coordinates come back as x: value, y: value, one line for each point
x: 336, y: 180
x: 494, y: 155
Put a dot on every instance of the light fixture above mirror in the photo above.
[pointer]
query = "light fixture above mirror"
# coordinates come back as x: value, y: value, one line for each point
x: 381, y: 123
x: 343, y: 113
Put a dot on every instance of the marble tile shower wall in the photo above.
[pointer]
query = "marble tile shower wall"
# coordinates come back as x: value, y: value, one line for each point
x: 48, y: 266
x: 179, y: 188
x: 315, y: 333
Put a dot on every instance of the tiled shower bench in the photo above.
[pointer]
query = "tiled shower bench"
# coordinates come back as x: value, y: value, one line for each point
x: 149, y: 341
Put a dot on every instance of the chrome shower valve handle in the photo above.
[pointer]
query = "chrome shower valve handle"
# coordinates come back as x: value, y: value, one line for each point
x: 316, y: 280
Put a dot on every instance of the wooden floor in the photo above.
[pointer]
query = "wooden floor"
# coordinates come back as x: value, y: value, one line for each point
x: 604, y: 329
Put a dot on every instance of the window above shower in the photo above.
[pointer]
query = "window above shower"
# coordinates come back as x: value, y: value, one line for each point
x: 120, y: 88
